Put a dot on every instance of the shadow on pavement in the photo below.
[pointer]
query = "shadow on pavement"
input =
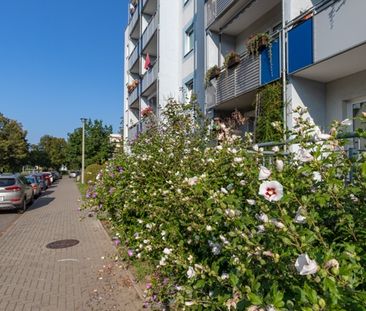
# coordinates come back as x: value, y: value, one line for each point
x: 41, y: 202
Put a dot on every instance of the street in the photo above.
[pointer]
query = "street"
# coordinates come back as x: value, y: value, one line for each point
x: 37, y: 276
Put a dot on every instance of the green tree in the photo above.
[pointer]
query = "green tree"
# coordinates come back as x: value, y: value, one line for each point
x: 13, y: 144
x: 38, y: 157
x: 55, y: 150
x: 98, y: 148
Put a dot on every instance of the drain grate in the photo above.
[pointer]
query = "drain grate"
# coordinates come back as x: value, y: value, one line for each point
x: 62, y: 244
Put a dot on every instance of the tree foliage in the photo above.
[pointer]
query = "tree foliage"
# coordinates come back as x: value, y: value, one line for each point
x: 55, y: 149
x: 13, y: 144
x: 97, y: 145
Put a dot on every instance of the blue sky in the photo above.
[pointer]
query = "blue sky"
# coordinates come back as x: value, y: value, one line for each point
x: 61, y: 60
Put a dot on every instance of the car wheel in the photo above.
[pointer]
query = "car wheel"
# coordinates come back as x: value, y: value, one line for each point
x: 23, y: 207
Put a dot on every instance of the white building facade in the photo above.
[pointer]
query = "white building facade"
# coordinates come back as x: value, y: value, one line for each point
x: 163, y: 57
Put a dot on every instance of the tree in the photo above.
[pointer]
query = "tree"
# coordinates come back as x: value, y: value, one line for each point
x: 98, y: 148
x: 38, y: 157
x: 55, y: 149
x: 13, y: 144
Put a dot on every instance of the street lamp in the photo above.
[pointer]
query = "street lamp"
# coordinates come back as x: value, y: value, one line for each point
x: 83, y: 150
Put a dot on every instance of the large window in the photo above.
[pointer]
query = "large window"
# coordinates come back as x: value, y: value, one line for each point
x: 188, y: 40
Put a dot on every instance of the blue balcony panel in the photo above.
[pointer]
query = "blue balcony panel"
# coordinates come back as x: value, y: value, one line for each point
x: 270, y: 62
x: 300, y: 46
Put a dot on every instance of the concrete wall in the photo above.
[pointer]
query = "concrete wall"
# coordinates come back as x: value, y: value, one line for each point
x: 294, y: 8
x: 339, y: 27
x: 124, y: 90
x: 342, y: 91
x: 309, y: 94
x: 170, y: 54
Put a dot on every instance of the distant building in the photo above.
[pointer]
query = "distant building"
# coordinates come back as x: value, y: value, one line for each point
x: 116, y: 140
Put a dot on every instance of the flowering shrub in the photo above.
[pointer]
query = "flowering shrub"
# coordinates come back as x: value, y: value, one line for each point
x: 229, y: 228
x: 146, y: 112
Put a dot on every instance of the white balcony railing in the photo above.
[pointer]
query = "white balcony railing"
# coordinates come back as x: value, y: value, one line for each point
x: 133, y: 96
x: 150, y: 30
x: 149, y: 78
x: 215, y: 8
x: 133, y: 57
x: 133, y: 132
x: 133, y: 19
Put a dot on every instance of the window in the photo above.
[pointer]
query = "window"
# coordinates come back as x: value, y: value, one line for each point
x: 188, y: 90
x: 188, y: 40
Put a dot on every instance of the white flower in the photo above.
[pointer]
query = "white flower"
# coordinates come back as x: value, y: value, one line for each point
x: 215, y: 247
x: 321, y: 136
x: 233, y: 150
x: 190, y: 258
x: 277, y: 223
x: 162, y: 261
x: 208, y: 228
x: 261, y: 229
x: 230, y: 212
x: 255, y: 147
x: 271, y: 190
x: 163, y: 233
x: 346, y: 122
x: 189, y: 303
x: 353, y: 198
x: 304, y: 156
x: 317, y: 177
x: 239, y: 174
x: 224, y: 276
x: 251, y: 202
x: 242, y: 183
x: 191, y: 273
x: 305, y: 266
x: 238, y: 159
x: 167, y: 251
x: 299, y: 219
x: 264, y: 173
x: 275, y: 149
x: 223, y: 190
x: 219, y: 147
x: 262, y: 217
x: 191, y: 181
x: 279, y: 165
x: 270, y: 308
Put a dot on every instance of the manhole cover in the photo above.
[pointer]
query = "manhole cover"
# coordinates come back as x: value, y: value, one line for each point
x: 62, y: 244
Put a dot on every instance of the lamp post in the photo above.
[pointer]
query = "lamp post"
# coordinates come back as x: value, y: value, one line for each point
x: 83, y: 151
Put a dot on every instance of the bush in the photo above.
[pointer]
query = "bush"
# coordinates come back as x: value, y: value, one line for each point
x: 231, y: 229
x: 91, y: 172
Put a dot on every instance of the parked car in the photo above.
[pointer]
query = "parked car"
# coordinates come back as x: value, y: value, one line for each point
x: 35, y: 182
x: 74, y: 174
x: 15, y: 192
x: 43, y: 181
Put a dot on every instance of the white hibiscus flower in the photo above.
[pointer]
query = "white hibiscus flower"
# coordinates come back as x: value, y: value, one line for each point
x: 271, y: 190
x: 305, y: 266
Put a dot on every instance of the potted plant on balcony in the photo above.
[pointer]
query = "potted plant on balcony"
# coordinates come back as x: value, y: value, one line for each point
x: 146, y: 112
x: 258, y: 42
x: 212, y: 73
x: 231, y: 59
x: 131, y: 86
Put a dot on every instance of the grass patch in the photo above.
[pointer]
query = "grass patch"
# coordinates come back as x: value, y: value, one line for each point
x: 82, y: 188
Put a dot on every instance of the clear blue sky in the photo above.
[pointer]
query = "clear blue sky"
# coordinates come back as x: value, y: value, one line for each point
x: 61, y: 60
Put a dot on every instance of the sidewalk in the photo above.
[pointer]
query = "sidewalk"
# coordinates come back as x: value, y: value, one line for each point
x: 33, y: 277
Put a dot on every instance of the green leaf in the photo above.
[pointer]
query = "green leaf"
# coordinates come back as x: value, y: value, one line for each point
x: 254, y: 299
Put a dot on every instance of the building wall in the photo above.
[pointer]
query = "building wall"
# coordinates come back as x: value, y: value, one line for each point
x: 124, y: 91
x: 310, y: 94
x: 342, y: 91
x: 169, y: 50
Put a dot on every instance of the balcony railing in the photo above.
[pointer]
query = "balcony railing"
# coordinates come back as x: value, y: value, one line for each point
x: 215, y: 8
x: 133, y: 96
x: 150, y: 30
x: 149, y: 78
x: 241, y: 79
x: 133, y: 19
x: 133, y: 131
x: 133, y: 57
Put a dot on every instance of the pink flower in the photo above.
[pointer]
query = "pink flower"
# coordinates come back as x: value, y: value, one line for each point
x: 264, y: 173
x: 271, y: 190
x: 130, y: 252
x: 117, y: 242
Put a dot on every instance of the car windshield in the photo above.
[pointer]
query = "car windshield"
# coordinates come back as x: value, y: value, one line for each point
x: 4, y: 182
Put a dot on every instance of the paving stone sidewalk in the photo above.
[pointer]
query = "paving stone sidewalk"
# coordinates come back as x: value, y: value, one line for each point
x: 33, y: 277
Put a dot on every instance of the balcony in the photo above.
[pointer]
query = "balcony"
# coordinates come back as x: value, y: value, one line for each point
x: 323, y: 45
x: 149, y: 6
x: 149, y: 31
x: 215, y: 8
x: 133, y: 97
x: 133, y: 131
x: 133, y: 57
x: 149, y: 78
x: 133, y: 20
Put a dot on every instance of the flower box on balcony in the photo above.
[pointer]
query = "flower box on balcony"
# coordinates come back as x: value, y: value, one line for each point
x: 231, y: 59
x: 131, y: 86
x: 212, y: 73
x: 258, y: 42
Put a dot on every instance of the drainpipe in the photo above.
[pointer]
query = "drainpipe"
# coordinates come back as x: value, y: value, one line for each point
x: 284, y: 73
x: 219, y: 54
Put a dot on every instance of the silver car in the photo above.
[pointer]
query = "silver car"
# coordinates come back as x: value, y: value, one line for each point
x: 15, y: 192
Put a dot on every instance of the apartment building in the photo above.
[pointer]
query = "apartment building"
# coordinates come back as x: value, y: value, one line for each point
x: 322, y: 56
x: 163, y: 57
